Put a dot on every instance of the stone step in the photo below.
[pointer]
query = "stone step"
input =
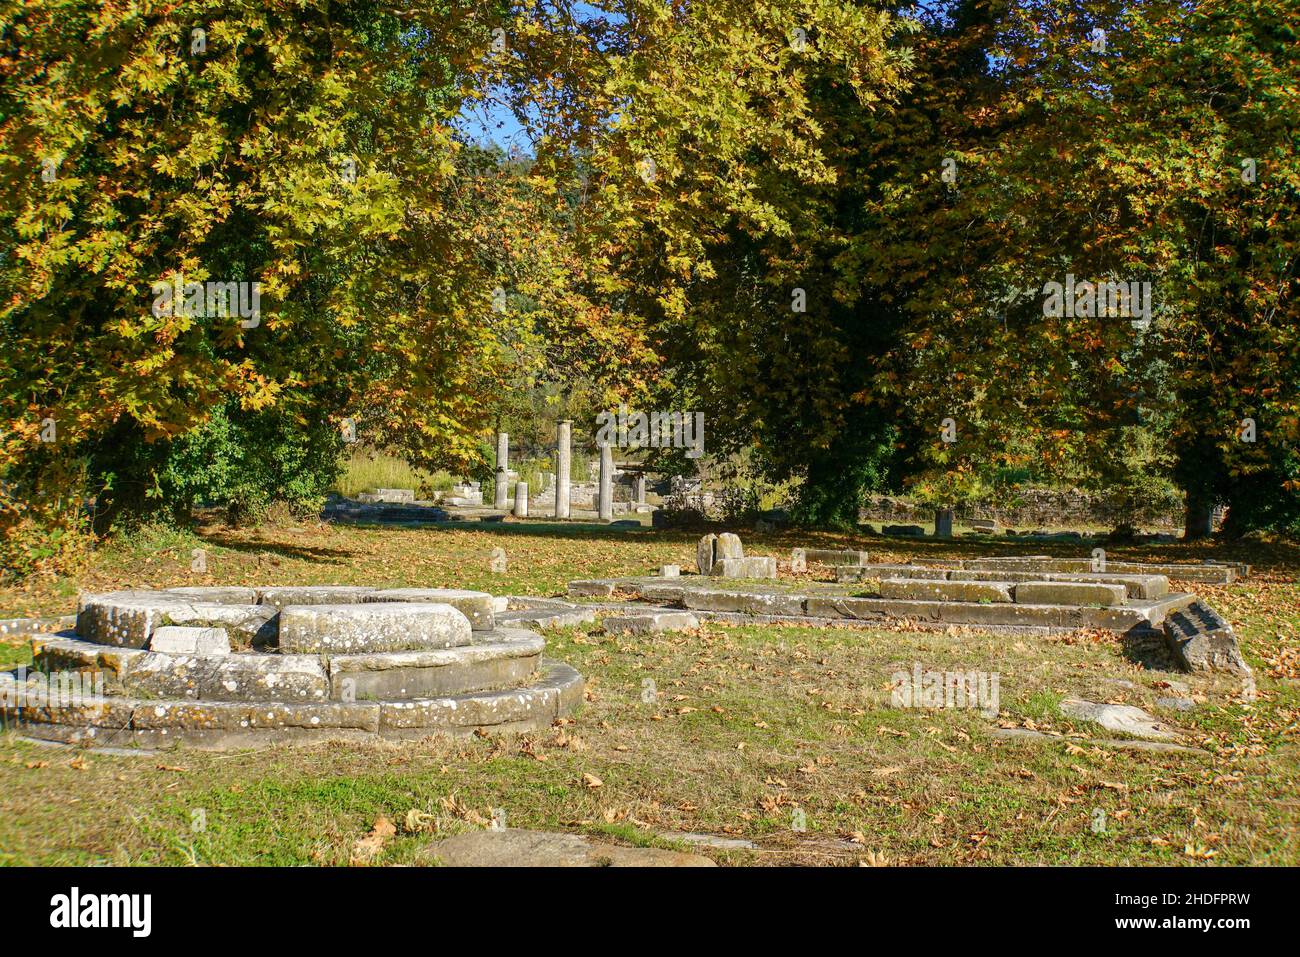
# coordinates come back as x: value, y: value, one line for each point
x: 1069, y: 593
x: 497, y: 659
x: 924, y: 589
x: 1136, y: 586
x: 116, y: 721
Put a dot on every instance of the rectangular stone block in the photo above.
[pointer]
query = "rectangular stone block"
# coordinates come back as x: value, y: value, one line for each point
x: 854, y: 573
x: 228, y: 677
x: 491, y: 708
x: 745, y: 567
x: 662, y: 594
x: 744, y: 603
x: 836, y: 556
x: 1069, y: 593
x: 180, y: 640
x: 922, y: 590
x: 652, y: 622
x: 591, y: 589
x: 1136, y: 586
x: 234, y: 716
x: 704, y: 553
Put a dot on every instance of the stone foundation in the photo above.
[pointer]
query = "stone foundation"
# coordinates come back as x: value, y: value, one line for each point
x: 315, y: 662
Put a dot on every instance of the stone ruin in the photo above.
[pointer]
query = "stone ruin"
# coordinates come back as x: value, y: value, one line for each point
x: 724, y: 556
x: 1031, y: 594
x: 232, y: 667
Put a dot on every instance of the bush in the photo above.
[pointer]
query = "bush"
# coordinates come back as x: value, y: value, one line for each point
x: 238, y: 461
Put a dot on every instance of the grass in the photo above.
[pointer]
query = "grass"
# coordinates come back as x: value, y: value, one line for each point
x: 365, y: 470
x: 727, y: 730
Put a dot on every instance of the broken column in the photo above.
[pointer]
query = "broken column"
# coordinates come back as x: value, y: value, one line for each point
x: 521, y: 500
x: 563, y: 454
x: 943, y: 523
x: 606, y: 482
x: 640, y: 488
x: 503, y: 470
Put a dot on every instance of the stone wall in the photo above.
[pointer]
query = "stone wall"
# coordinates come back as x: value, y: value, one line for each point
x: 1034, y: 508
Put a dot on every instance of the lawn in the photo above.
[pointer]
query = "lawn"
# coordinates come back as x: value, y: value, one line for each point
x: 785, y: 736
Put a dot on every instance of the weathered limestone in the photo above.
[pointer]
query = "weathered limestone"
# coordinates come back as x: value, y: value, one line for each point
x: 926, y: 590
x: 1135, y: 586
x: 351, y: 671
x: 1118, y: 717
x: 563, y: 465
x: 355, y: 629
x: 704, y: 553
x: 943, y: 523
x: 544, y: 699
x: 723, y: 555
x: 221, y: 594
x: 747, y: 603
x: 1069, y: 593
x: 177, y: 640
x: 753, y: 567
x: 398, y: 675
x: 854, y: 573
x: 227, y: 678
x: 798, y: 561
x: 670, y: 571
x: 127, y: 619
x: 521, y: 500
x: 313, y: 595
x: 652, y: 622
x: 606, y: 503
x: 835, y: 556
x: 477, y: 606
x: 639, y: 489
x: 727, y: 546
x: 1200, y: 640
x: 497, y: 561
x: 591, y: 589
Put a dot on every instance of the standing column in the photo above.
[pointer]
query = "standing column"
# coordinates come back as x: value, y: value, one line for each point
x: 640, y: 488
x: 606, y: 482
x: 503, y: 470
x: 563, y: 451
x: 521, y: 500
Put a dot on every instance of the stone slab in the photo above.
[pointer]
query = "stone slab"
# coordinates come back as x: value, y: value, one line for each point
x: 924, y: 590
x: 1069, y: 593
x: 477, y: 606
x: 757, y: 567
x: 400, y: 675
x: 1118, y: 717
x: 652, y: 622
x: 181, y: 640
x: 282, y: 597
x: 747, y: 603
x: 364, y: 628
x: 836, y: 556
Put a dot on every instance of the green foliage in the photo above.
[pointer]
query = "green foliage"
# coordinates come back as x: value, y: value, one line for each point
x: 239, y: 461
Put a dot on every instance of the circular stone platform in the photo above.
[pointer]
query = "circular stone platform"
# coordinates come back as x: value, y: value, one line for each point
x: 242, y: 667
